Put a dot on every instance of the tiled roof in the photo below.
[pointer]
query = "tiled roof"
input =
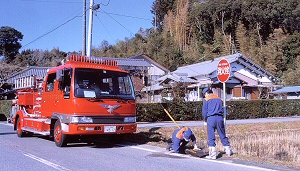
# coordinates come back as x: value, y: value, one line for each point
x: 177, y: 77
x: 147, y: 58
x: 130, y: 62
x: 208, y: 67
x: 287, y: 90
x: 153, y: 87
x: 205, y: 68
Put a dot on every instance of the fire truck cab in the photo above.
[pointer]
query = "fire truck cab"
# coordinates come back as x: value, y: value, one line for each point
x: 84, y: 96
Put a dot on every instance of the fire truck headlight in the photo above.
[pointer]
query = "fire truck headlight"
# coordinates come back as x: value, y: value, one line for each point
x: 129, y: 119
x: 81, y: 119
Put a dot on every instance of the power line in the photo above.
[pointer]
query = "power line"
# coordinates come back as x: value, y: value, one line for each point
x: 57, y: 27
x: 64, y: 23
x: 109, y: 14
x: 49, y: 1
x: 106, y: 4
x: 105, y: 28
x: 118, y: 22
x: 72, y: 15
x: 121, y: 15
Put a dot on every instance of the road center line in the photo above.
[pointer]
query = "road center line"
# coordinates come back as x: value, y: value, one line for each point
x: 46, y: 162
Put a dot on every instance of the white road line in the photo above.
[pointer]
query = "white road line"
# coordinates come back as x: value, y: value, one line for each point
x: 144, y: 149
x: 46, y: 162
x: 206, y: 160
x: 241, y: 165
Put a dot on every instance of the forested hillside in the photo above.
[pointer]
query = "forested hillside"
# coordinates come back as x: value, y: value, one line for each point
x: 190, y: 31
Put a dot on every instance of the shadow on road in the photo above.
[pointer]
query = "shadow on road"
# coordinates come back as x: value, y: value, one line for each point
x: 7, y: 133
x: 3, y: 117
x: 145, y: 137
x: 107, y: 141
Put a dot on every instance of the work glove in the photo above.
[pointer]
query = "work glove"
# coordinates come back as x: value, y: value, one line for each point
x: 205, y: 123
x: 195, y: 147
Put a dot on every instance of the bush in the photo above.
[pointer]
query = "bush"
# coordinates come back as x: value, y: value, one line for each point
x: 189, y: 111
x: 5, y: 107
x: 244, y: 109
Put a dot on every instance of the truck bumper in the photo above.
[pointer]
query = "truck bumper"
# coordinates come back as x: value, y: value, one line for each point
x: 94, y: 129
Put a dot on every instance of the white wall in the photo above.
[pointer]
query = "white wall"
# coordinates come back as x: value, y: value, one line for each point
x: 154, y: 70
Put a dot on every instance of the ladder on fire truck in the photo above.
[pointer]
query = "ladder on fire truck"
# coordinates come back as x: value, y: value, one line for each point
x: 31, y: 82
x: 32, y: 85
x: 25, y: 82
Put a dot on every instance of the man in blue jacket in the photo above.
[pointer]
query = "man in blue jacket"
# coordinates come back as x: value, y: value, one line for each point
x: 212, y: 112
x: 180, y: 138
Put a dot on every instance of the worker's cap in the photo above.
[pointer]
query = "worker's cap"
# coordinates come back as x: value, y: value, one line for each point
x: 206, y: 89
x: 187, y: 134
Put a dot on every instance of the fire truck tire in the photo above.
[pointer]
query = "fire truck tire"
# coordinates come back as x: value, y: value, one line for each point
x: 20, y: 132
x: 60, y: 138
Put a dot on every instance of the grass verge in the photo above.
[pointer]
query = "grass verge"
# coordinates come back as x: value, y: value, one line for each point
x: 275, y: 143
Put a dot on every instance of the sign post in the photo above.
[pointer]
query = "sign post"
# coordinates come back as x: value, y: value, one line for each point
x: 223, y: 74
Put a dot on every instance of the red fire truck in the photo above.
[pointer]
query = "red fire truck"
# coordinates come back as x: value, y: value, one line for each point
x: 84, y: 96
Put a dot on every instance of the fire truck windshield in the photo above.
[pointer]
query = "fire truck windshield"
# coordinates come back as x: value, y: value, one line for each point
x: 96, y: 83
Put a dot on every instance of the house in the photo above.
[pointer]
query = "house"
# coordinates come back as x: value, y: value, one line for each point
x: 292, y: 92
x: 153, y: 73
x: 156, y: 71
x: 247, y: 79
x: 166, y: 83
x: 148, y: 79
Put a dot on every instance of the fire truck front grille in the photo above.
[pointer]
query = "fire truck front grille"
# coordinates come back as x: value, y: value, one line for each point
x: 108, y: 120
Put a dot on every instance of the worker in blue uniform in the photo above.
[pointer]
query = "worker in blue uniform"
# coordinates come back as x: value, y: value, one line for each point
x: 212, y: 112
x: 180, y: 138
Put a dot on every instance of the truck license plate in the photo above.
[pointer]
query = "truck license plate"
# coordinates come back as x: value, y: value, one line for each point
x: 109, y: 128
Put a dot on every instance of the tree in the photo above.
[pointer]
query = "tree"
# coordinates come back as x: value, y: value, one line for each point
x: 291, y: 50
x: 160, y: 8
x: 176, y: 23
x: 291, y: 77
x: 6, y: 70
x: 9, y: 42
x: 191, y: 31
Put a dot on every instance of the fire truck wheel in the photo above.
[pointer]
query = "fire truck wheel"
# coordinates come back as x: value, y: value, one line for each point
x: 20, y: 132
x: 60, y: 138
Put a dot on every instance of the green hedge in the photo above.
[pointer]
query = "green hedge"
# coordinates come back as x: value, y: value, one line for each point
x: 244, y: 109
x: 152, y: 112
x: 5, y: 108
x: 182, y: 111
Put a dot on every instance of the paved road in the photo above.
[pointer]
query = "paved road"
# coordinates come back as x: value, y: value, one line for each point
x: 39, y: 154
x: 200, y: 123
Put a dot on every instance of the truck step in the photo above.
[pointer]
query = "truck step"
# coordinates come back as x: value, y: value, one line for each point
x: 37, y: 125
x: 45, y: 120
x: 35, y: 131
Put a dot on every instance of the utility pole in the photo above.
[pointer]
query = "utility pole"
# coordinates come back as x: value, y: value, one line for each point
x: 90, y: 29
x: 84, y: 29
x: 92, y: 8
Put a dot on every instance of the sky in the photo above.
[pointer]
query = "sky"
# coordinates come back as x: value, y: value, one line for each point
x: 48, y: 24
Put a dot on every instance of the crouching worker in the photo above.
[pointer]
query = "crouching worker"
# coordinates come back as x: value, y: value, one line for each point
x: 180, y: 138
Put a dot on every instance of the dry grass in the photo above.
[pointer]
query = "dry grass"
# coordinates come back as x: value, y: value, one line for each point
x: 277, y: 143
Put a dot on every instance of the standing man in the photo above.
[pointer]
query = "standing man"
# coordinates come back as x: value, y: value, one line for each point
x: 212, y: 112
